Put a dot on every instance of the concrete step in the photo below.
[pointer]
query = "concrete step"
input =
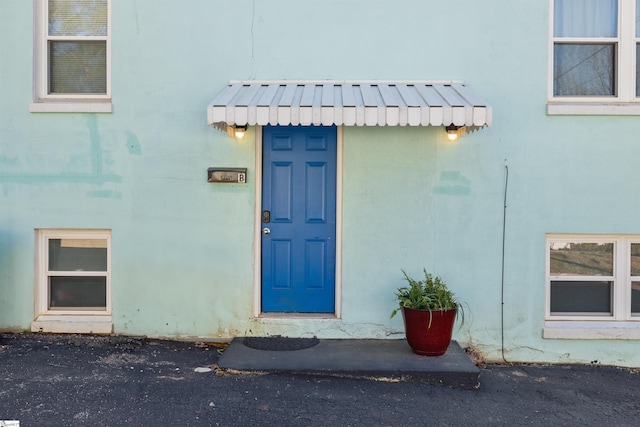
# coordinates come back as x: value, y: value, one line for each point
x: 358, y: 358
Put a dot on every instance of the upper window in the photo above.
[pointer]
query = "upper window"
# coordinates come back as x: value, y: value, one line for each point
x: 594, y: 55
x: 593, y: 278
x: 72, y: 60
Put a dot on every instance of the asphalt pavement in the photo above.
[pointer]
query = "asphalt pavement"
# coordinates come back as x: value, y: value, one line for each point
x: 73, y: 380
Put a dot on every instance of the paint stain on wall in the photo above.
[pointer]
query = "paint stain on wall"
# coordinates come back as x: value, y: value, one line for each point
x: 133, y: 145
x: 79, y: 168
x: 453, y: 183
x: 105, y: 194
x: 8, y: 161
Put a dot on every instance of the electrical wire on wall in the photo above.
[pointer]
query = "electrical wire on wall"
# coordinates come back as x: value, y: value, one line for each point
x: 504, y: 228
x: 253, y: 41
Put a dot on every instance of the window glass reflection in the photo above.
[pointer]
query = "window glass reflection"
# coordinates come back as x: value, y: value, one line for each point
x: 581, y: 259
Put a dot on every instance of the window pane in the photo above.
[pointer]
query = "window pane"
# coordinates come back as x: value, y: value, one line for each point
x: 78, y: 17
x: 584, y: 69
x: 575, y: 298
x: 635, y: 298
x: 581, y: 259
x: 78, y: 67
x: 637, y: 69
x: 637, y: 18
x: 635, y: 259
x: 75, y: 292
x: 77, y: 255
x: 585, y: 18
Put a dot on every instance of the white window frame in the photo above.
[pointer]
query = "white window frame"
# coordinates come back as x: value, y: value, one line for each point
x: 620, y: 324
x: 71, y: 103
x: 625, y: 102
x: 73, y: 321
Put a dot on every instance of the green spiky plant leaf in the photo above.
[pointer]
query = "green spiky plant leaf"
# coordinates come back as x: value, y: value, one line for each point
x: 430, y: 293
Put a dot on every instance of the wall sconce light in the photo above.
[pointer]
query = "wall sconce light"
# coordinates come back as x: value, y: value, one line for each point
x: 238, y: 131
x: 452, y: 132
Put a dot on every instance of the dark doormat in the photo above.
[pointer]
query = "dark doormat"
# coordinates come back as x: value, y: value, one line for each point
x: 278, y: 343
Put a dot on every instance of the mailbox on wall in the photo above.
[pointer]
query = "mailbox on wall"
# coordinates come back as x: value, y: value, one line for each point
x: 228, y: 175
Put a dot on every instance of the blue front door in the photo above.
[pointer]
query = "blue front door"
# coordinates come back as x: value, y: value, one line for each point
x: 299, y: 219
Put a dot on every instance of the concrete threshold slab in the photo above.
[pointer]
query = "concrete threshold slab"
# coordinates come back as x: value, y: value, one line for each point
x: 377, y: 359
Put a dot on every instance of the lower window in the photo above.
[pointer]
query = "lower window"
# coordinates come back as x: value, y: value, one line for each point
x: 73, y: 283
x: 593, y: 279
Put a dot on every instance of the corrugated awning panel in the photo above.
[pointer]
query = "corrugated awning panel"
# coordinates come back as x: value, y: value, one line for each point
x: 348, y: 103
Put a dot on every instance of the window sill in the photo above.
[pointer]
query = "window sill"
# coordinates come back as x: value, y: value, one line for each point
x: 71, y: 107
x: 593, y: 109
x: 592, y: 330
x: 73, y: 324
x: 297, y: 316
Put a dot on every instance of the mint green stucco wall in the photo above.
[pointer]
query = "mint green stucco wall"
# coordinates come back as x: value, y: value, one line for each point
x: 183, y: 249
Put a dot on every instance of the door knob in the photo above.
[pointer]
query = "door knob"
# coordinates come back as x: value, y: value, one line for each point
x: 266, y: 231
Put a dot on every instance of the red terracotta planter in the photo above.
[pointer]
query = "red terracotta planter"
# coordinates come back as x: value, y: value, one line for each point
x: 425, y: 340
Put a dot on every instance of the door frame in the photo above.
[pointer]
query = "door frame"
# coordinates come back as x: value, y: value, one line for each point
x: 257, y: 239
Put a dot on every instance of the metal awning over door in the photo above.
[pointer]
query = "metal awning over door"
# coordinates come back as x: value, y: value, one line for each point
x: 348, y: 103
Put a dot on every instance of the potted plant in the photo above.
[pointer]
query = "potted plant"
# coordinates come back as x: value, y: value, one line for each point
x: 429, y: 310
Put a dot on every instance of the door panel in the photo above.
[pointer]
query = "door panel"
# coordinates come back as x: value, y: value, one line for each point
x: 299, y: 183
x: 281, y: 203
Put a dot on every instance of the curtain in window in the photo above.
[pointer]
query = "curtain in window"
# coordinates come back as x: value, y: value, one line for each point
x: 637, y: 48
x: 584, y: 69
x: 637, y: 18
x: 77, y: 66
x: 585, y: 18
x: 78, y: 17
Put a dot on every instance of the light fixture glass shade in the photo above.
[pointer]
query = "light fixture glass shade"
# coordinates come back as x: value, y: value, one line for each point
x: 239, y: 131
x: 452, y: 132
